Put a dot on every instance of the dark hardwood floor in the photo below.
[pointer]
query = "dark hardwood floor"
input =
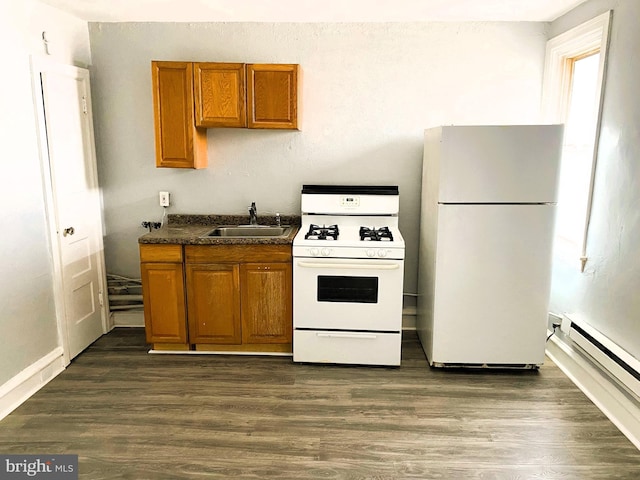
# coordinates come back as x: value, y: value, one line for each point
x: 132, y: 415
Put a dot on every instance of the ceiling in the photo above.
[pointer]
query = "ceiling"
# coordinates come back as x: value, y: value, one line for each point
x: 314, y: 10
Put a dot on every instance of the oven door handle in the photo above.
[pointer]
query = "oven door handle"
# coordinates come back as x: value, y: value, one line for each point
x: 366, y: 336
x: 393, y: 266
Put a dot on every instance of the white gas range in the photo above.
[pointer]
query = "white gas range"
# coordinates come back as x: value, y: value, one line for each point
x: 348, y: 269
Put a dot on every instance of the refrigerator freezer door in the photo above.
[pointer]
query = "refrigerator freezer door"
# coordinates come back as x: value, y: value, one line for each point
x: 498, y: 164
x: 492, y: 281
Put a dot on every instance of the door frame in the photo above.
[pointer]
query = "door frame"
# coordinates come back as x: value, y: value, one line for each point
x: 40, y: 64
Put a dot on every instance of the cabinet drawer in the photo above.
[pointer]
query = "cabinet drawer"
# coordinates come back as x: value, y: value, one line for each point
x: 161, y: 253
x: 237, y: 253
x: 362, y: 348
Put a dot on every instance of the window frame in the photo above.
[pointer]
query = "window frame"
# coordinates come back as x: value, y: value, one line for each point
x: 561, y: 53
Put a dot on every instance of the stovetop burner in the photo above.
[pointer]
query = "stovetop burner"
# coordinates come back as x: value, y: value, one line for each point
x: 376, y: 234
x: 322, y: 233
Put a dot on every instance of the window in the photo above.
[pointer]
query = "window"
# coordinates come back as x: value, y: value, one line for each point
x: 577, y: 152
x: 572, y: 93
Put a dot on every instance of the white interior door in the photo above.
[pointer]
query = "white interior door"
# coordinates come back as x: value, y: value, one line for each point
x: 74, y: 210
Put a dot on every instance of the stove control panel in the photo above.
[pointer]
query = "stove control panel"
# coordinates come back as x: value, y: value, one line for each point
x: 320, y: 252
x: 349, y: 252
x: 350, y: 201
x: 376, y: 252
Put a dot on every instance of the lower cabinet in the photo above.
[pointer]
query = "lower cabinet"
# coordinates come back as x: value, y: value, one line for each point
x: 266, y: 303
x: 239, y: 297
x: 162, y: 276
x: 218, y: 297
x: 213, y: 302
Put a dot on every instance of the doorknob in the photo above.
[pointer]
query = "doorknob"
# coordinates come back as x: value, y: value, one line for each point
x: 68, y: 231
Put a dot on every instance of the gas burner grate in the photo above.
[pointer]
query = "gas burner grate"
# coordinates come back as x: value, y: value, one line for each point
x: 317, y: 232
x: 376, y: 234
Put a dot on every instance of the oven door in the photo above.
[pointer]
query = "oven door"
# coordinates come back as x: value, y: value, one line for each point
x: 347, y: 294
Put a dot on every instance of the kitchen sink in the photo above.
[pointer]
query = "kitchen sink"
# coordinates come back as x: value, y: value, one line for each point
x: 250, y: 231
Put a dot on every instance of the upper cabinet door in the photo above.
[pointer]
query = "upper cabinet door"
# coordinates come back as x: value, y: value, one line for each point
x: 179, y: 143
x: 220, y: 94
x: 272, y: 96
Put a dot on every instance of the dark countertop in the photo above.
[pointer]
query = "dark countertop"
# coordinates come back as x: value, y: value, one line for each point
x: 188, y: 230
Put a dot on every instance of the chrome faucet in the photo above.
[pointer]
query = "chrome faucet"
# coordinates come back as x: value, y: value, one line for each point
x: 253, y: 214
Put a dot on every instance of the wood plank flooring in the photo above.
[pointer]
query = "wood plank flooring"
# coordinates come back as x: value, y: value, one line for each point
x: 132, y: 415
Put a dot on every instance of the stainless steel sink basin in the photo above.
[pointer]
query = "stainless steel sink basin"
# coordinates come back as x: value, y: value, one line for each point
x: 250, y: 231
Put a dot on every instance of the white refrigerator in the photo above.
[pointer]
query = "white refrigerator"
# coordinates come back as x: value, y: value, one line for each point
x: 488, y: 208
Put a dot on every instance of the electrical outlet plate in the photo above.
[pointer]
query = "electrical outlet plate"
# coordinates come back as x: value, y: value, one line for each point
x: 566, y: 325
x: 164, y: 199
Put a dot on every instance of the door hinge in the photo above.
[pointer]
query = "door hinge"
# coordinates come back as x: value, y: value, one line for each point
x: 84, y: 104
x: 101, y: 299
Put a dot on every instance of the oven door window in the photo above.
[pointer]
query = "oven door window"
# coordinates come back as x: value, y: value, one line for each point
x: 347, y: 289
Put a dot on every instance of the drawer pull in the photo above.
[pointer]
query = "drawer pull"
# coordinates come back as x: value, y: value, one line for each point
x: 364, y: 336
x: 344, y: 266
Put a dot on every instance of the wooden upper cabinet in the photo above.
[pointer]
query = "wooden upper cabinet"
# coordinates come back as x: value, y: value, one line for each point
x: 190, y: 97
x: 220, y: 94
x: 179, y: 144
x: 272, y: 96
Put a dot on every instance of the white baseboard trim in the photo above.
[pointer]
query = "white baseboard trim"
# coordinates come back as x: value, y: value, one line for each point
x: 619, y: 405
x: 18, y: 389
x: 130, y: 318
x: 215, y: 352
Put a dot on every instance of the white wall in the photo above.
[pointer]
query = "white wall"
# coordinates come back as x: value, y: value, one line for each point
x: 369, y: 91
x: 27, y: 315
x: 607, y: 294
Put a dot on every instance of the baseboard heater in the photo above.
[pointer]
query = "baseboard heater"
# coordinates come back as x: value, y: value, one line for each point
x: 617, y: 361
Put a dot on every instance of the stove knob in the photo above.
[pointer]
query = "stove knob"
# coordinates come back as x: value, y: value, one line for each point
x: 325, y: 252
x: 370, y: 252
x: 382, y: 253
x: 314, y: 252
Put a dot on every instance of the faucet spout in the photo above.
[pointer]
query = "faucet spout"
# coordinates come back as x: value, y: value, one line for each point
x: 253, y: 214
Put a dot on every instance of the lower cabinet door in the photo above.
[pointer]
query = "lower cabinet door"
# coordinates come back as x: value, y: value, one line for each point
x: 164, y: 309
x: 266, y: 293
x: 213, y: 303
